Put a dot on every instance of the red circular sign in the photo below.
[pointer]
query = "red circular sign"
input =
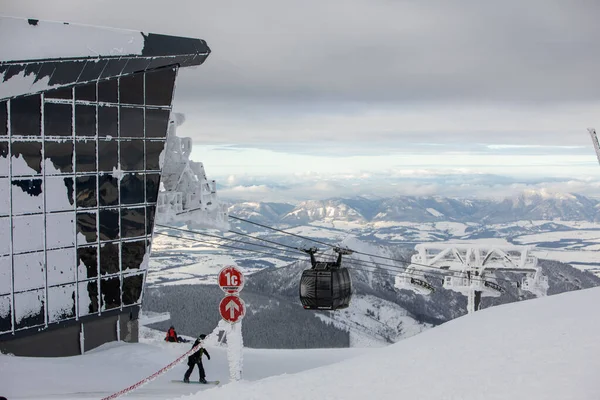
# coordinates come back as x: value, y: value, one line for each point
x: 231, y: 279
x: 232, y: 308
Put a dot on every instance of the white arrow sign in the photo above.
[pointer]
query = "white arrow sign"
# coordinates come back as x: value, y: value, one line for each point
x: 232, y: 307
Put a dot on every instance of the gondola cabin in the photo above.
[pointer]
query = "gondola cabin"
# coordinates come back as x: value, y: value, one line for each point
x: 327, y: 285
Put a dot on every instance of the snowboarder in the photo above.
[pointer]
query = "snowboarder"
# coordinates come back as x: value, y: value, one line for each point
x: 172, y: 335
x: 196, y: 359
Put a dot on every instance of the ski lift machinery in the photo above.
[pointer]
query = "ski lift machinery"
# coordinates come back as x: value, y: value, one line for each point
x: 326, y: 285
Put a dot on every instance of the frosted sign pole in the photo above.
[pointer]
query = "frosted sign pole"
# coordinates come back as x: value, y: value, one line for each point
x: 232, y: 309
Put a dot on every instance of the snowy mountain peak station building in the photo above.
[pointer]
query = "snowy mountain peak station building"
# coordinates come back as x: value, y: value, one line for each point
x: 84, y: 115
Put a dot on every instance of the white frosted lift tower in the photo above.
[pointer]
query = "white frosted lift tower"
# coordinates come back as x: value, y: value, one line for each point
x: 186, y: 195
x: 470, y: 270
x: 592, y: 132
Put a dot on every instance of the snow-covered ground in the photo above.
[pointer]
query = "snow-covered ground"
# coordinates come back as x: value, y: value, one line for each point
x: 546, y: 348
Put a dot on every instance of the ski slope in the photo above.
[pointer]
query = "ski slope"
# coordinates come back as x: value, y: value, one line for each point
x: 546, y: 348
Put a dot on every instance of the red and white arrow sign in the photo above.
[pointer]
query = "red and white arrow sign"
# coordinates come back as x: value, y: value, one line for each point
x: 232, y: 308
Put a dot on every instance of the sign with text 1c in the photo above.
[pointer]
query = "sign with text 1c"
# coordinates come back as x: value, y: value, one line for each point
x: 232, y: 308
x: 231, y: 280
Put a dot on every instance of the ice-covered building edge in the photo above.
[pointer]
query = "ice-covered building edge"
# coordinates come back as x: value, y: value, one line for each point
x: 40, y: 58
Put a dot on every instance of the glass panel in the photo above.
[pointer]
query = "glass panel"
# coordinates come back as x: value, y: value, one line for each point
x: 108, y: 121
x: 152, y: 186
x: 5, y: 314
x: 60, y: 230
x: 58, y: 119
x: 27, y: 196
x: 85, y: 156
x: 4, y: 165
x: 85, y: 120
x: 25, y: 116
x: 4, y: 198
x: 64, y: 93
x: 61, y: 156
x: 26, y: 158
x: 86, y: 226
x: 132, y: 155
x: 132, y: 289
x: 108, y: 155
x: 61, y: 303
x: 86, y: 92
x: 87, y: 262
x: 86, y: 191
x: 3, y: 119
x: 153, y: 150
x: 59, y: 193
x: 159, y: 87
x: 107, y: 91
x: 28, y: 233
x: 109, y: 190
x: 150, y: 219
x: 61, y: 268
x: 88, y: 298
x: 29, y: 309
x: 132, y: 189
x: 132, y: 122
x: 29, y: 271
x: 132, y: 254
x: 131, y: 89
x: 110, y: 289
x: 157, y: 121
x: 5, y: 275
x: 109, y: 258
x: 132, y: 222
x: 109, y: 224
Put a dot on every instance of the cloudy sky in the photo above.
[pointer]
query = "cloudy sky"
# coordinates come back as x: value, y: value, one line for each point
x: 317, y: 98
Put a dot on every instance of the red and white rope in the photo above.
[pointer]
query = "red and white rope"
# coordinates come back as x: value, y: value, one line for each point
x: 154, y: 375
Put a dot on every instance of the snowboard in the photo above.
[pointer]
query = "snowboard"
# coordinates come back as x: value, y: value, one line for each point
x: 196, y: 382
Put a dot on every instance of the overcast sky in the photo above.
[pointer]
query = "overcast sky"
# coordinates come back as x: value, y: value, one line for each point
x: 314, y: 89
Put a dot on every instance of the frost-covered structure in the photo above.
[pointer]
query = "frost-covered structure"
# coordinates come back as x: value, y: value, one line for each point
x: 186, y: 195
x: 84, y: 114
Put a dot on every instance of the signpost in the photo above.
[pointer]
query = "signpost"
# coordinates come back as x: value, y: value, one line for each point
x: 232, y: 309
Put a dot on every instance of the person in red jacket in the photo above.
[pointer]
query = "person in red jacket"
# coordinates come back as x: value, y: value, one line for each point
x: 172, y: 335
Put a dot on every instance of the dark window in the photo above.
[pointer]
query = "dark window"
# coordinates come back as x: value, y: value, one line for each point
x: 107, y: 91
x: 159, y: 87
x: 92, y: 70
x: 132, y: 222
x: 61, y: 155
x: 109, y: 224
x: 110, y: 289
x: 131, y: 89
x: 109, y: 258
x: 132, y: 254
x: 64, y: 93
x: 86, y: 191
x: 109, y: 190
x: 85, y: 120
x: 132, y: 189
x: 150, y: 219
x: 25, y: 116
x: 132, y: 155
x: 153, y: 150
x: 108, y: 121
x: 6, y: 316
x: 32, y: 187
x: 86, y: 225
x: 157, y: 121
x: 108, y: 155
x: 92, y: 294
x: 31, y: 153
x: 85, y: 156
x: 132, y: 122
x: 132, y: 289
x: 86, y: 92
x: 58, y: 119
x: 3, y: 119
x: 152, y: 186
x: 88, y: 257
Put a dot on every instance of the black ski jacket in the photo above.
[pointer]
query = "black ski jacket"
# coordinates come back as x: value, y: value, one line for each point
x: 197, y: 356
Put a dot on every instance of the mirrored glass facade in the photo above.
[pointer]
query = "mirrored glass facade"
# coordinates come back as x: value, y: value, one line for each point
x: 79, y: 177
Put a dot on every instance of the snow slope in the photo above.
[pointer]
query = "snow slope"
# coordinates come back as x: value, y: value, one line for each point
x: 540, y: 349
